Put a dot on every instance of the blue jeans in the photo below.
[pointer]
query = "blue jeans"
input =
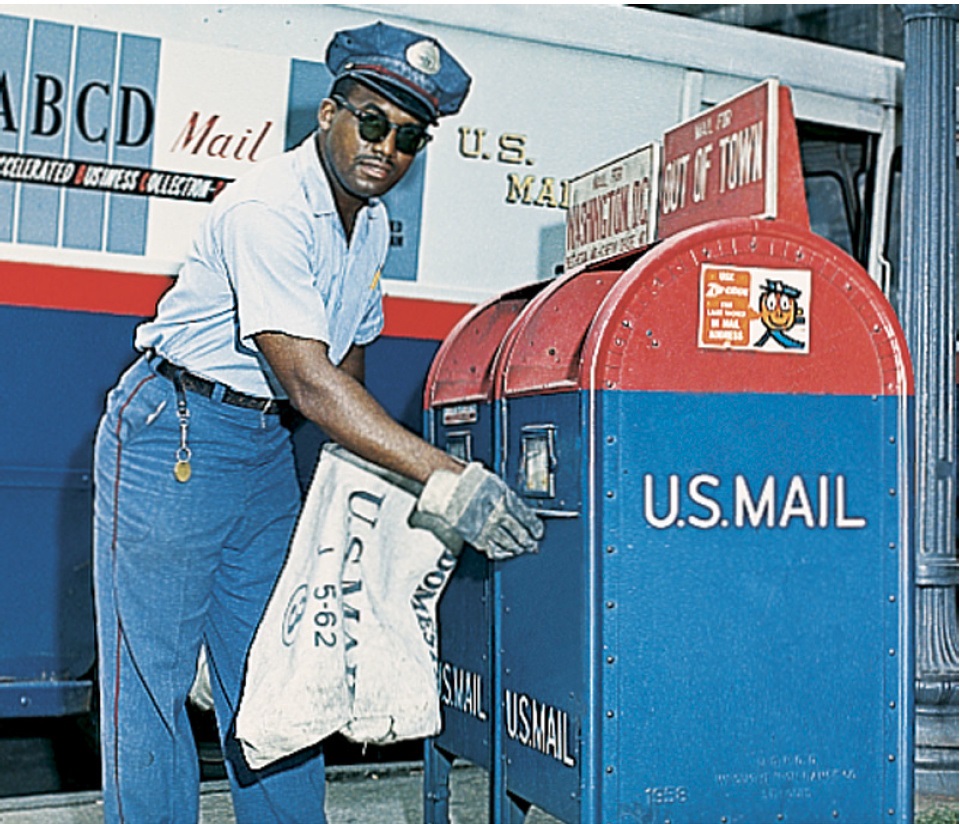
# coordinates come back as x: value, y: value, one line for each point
x: 181, y: 564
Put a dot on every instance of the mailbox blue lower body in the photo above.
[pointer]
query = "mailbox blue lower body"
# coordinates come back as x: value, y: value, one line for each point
x: 717, y: 626
x: 466, y: 613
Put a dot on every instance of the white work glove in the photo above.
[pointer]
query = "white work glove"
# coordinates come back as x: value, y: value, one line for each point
x: 483, y: 510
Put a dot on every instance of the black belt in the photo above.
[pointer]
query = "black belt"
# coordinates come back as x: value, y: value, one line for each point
x: 194, y: 383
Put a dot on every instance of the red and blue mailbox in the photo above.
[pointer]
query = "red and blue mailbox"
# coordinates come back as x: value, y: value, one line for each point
x: 718, y: 625
x: 460, y: 418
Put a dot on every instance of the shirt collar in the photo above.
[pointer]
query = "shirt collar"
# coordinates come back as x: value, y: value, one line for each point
x: 316, y: 184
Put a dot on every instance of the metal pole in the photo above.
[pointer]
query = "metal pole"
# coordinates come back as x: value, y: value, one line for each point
x: 929, y: 316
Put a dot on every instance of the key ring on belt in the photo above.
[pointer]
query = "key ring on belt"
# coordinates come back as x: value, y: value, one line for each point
x: 181, y: 468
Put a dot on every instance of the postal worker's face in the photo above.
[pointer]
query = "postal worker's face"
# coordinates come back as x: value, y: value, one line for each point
x: 361, y: 168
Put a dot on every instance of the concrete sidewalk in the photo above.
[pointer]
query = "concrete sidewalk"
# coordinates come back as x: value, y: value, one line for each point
x: 382, y: 794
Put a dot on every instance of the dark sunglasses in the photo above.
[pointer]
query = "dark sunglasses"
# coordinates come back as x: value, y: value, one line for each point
x: 374, y: 128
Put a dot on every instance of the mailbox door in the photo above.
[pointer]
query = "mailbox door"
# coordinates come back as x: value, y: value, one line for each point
x: 546, y: 630
x: 465, y: 611
x: 546, y: 603
x: 461, y: 419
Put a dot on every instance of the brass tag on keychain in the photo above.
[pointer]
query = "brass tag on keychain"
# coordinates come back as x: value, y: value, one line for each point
x: 182, y: 471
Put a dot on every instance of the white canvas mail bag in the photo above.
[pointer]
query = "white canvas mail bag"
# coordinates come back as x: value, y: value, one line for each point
x: 348, y: 641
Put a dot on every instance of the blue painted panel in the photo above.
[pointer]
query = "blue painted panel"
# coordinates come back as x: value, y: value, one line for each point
x: 396, y: 372
x: 45, y: 128
x: 465, y: 617
x: 546, y: 631
x: 83, y: 216
x: 730, y: 646
x: 134, y: 138
x: 753, y: 671
x: 309, y: 84
x: 56, y: 370
x: 13, y: 52
x: 46, y: 609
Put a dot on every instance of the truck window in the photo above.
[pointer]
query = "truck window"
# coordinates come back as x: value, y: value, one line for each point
x: 838, y: 174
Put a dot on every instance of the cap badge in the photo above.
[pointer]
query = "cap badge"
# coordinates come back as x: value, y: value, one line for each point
x: 424, y: 56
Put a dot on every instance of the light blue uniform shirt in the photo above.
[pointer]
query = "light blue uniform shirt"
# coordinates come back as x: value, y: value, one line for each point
x: 272, y: 256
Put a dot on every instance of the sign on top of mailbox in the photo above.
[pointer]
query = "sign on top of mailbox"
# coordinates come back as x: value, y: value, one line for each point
x: 613, y: 209
x: 739, y: 158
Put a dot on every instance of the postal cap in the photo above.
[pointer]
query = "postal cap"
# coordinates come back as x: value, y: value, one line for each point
x: 408, y: 68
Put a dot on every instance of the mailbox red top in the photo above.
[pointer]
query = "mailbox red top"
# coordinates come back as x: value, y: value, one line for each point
x: 462, y: 370
x: 545, y: 349
x: 733, y: 306
x: 747, y: 306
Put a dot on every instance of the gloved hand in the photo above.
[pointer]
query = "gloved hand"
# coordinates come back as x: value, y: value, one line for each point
x: 483, y: 510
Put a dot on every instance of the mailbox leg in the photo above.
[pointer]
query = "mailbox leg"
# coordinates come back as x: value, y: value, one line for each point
x: 436, y: 784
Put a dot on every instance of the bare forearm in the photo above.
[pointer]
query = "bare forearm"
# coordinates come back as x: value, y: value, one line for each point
x: 346, y: 411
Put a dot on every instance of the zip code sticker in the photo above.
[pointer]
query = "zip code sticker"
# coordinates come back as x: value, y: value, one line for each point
x: 754, y: 309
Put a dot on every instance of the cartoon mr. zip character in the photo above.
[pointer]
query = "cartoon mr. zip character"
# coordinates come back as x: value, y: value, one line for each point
x: 779, y: 313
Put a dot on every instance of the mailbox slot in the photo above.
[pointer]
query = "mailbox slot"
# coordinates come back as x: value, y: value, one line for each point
x: 460, y: 445
x: 538, y: 459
